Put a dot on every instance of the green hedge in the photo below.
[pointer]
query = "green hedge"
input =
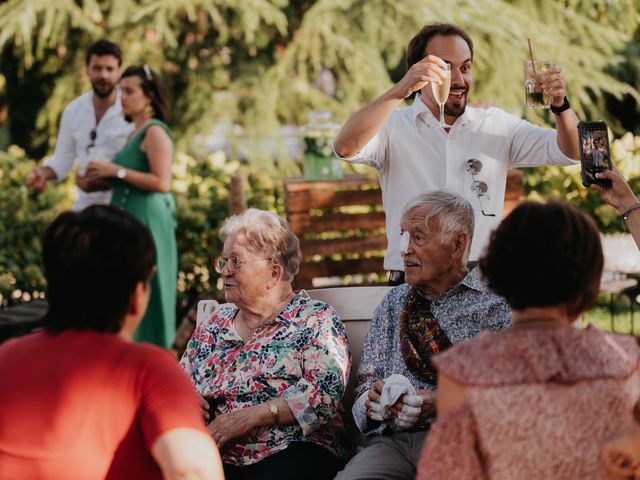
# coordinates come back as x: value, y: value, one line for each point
x: 200, y: 186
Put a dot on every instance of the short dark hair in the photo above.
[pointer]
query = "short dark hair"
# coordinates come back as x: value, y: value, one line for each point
x: 103, y: 47
x: 418, y: 44
x: 93, y: 261
x: 545, y: 254
x: 152, y: 87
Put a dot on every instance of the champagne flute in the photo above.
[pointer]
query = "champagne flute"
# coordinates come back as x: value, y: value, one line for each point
x: 441, y: 92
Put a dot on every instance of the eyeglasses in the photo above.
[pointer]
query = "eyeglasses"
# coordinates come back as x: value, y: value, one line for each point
x: 93, y: 134
x: 480, y: 188
x: 233, y: 263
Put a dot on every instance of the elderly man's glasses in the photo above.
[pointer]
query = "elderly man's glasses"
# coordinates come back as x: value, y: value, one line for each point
x: 480, y: 188
x: 232, y: 263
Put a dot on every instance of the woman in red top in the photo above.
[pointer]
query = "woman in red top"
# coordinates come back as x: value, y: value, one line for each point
x: 79, y: 399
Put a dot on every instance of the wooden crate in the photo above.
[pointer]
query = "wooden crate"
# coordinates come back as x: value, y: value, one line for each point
x: 341, y: 227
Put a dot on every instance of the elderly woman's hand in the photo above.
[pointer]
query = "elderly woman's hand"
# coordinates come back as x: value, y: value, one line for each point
x: 227, y: 426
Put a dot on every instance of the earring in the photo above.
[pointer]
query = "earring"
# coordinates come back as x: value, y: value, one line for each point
x: 149, y: 112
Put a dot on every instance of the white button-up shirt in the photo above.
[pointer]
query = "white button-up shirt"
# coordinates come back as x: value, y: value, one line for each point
x: 74, y: 139
x: 413, y: 155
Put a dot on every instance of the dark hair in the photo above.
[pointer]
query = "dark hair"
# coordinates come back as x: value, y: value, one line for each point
x: 418, y: 44
x: 93, y: 261
x: 103, y: 47
x: 544, y: 255
x: 152, y: 87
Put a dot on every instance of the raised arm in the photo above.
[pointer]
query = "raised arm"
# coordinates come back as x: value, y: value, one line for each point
x: 554, y: 85
x: 365, y: 123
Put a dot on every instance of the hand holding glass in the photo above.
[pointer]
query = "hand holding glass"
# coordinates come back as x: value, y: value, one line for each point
x: 535, y: 97
x: 441, y: 92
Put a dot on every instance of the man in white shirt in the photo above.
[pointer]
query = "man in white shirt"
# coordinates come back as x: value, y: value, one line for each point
x: 92, y: 127
x: 413, y: 154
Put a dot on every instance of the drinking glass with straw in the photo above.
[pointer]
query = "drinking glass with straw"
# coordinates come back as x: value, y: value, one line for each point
x: 533, y: 71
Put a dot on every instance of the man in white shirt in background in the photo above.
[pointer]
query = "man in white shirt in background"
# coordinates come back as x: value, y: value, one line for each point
x: 471, y: 157
x: 92, y: 125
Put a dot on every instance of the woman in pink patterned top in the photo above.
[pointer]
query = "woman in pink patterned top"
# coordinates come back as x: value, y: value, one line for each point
x: 272, y: 363
x: 538, y: 400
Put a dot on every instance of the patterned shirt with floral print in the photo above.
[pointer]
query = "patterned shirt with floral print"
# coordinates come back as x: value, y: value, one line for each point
x: 302, y: 356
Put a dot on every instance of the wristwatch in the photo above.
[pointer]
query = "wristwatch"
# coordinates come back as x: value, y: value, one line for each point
x: 561, y: 108
x: 275, y: 413
x: 121, y: 173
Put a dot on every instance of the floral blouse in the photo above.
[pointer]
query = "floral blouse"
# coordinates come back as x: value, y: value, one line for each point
x: 302, y: 356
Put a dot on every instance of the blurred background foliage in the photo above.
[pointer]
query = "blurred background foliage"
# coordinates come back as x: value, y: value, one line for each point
x: 250, y: 67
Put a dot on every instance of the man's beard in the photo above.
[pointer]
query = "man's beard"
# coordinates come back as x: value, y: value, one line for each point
x: 453, y: 109
x: 102, y: 93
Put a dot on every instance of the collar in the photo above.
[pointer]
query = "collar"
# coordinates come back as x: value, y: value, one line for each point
x: 420, y: 109
x: 87, y: 101
x: 472, y: 281
x: 285, y: 317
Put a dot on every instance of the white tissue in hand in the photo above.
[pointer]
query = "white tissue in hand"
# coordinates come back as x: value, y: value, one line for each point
x: 413, y: 400
x: 375, y: 411
x: 410, y: 412
x: 394, y: 387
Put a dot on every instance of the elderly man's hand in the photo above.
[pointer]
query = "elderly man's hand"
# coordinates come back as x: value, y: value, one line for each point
x: 227, y: 426
x: 553, y: 85
x: 374, y: 412
x: 410, y: 410
x: 427, y: 70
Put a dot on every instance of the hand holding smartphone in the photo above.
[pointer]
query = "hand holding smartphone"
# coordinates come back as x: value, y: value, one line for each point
x: 595, y: 154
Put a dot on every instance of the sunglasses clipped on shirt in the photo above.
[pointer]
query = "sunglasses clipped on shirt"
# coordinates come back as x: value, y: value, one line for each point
x: 93, y: 134
x: 473, y: 167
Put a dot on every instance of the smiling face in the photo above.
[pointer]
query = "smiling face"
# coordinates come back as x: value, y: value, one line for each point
x: 103, y: 72
x: 247, y: 283
x: 432, y: 260
x: 133, y: 99
x: 454, y: 50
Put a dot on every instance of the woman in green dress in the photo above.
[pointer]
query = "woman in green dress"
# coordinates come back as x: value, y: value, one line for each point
x: 141, y: 179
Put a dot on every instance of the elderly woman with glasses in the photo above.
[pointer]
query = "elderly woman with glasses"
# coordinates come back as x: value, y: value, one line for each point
x: 272, y: 363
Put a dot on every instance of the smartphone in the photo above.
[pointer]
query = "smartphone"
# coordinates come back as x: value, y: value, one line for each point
x: 595, y: 154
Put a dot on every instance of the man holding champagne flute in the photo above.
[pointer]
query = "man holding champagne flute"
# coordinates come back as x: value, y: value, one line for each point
x: 465, y: 150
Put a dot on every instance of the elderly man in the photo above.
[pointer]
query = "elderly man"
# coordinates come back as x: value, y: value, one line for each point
x: 442, y: 303
x: 471, y: 156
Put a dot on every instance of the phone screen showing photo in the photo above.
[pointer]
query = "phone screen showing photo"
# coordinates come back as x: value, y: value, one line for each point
x: 595, y: 153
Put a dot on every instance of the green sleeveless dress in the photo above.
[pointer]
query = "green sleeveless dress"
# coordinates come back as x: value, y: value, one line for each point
x: 157, y: 211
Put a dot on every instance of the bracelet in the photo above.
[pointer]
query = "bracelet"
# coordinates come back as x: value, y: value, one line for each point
x: 625, y: 215
x: 558, y: 110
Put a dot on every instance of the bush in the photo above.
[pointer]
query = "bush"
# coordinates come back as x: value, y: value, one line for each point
x: 565, y: 182
x: 200, y: 186
x: 24, y: 215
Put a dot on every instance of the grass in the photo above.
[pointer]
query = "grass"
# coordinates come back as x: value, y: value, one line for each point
x: 600, y: 316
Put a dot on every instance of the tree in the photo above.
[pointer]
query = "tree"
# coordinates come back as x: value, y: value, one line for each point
x: 255, y: 63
